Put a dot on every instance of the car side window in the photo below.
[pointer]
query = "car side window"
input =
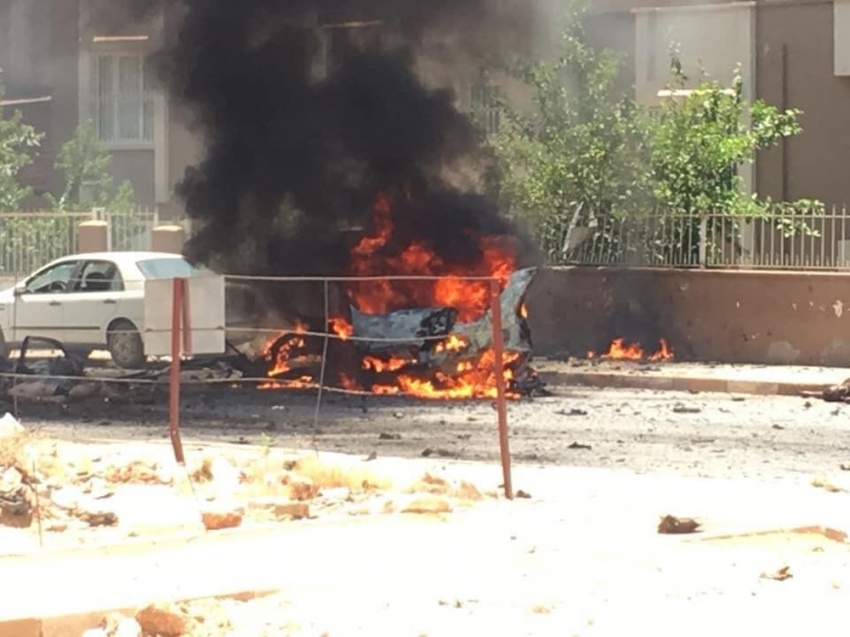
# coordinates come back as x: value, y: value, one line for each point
x: 56, y: 279
x: 98, y: 276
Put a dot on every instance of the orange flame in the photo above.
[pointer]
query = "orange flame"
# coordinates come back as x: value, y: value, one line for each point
x: 342, y: 328
x: 377, y: 255
x: 619, y: 350
x: 462, y: 373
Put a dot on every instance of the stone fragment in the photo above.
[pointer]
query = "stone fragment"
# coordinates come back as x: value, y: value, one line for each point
x: 280, y: 508
x: 220, y: 517
x: 428, y: 504
x: 161, y: 619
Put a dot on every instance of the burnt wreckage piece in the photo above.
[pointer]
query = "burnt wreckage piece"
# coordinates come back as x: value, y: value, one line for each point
x: 429, y: 339
x: 419, y: 332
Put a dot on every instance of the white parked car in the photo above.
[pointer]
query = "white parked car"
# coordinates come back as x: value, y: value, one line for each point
x: 88, y: 302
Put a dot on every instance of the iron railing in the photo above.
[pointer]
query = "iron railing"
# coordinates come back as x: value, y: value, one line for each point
x: 28, y: 240
x: 783, y: 239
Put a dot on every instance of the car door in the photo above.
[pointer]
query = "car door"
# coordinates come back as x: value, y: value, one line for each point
x: 92, y: 301
x: 39, y: 308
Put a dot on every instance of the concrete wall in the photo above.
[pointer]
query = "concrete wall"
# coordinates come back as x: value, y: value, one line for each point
x: 728, y: 316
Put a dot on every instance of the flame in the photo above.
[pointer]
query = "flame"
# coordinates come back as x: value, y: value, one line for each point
x: 342, y: 328
x: 619, y: 350
x: 461, y: 372
x: 379, y: 255
x: 523, y: 311
x: 453, y: 343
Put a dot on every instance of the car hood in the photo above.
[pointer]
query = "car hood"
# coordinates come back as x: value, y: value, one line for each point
x: 7, y: 296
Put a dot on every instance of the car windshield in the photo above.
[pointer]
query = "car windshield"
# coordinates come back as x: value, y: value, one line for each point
x: 168, y: 268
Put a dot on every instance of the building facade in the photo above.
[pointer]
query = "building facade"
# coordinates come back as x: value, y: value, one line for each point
x: 793, y: 54
x: 64, y: 62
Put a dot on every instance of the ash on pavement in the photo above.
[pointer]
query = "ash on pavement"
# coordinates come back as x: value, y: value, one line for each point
x: 642, y: 430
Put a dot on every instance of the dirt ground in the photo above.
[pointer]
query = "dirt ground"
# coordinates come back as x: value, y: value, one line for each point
x: 407, y: 534
x: 712, y: 435
x: 419, y: 547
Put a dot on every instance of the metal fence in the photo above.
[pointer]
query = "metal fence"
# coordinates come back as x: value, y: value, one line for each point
x: 28, y: 240
x: 783, y: 239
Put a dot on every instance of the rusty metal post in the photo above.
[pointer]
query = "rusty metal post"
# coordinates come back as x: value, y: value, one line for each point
x: 177, y: 327
x: 501, y: 390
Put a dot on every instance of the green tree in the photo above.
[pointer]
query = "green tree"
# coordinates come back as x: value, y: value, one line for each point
x: 699, y: 138
x: 574, y: 157
x: 84, y: 164
x: 587, y: 157
x: 18, y: 142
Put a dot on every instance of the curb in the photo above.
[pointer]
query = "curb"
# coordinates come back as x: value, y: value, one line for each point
x: 679, y: 383
x: 826, y: 532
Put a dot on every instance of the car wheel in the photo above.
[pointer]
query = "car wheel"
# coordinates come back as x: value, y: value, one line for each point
x: 125, y: 345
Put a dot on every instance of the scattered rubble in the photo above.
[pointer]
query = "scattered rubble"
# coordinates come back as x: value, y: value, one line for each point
x: 827, y: 485
x: 780, y: 575
x: 832, y: 394
x: 78, y: 493
x: 671, y: 525
x: 162, y: 619
x: 219, y: 517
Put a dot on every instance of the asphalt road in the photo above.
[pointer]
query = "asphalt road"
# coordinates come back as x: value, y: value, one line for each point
x: 711, y: 435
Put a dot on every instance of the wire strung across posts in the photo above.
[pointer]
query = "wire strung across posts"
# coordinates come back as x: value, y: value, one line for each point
x: 181, y: 331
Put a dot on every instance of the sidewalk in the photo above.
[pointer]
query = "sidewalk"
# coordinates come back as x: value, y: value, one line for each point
x: 584, y: 547
x: 782, y: 380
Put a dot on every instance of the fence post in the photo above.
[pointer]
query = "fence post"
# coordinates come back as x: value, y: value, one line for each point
x: 501, y: 406
x: 93, y: 236
x: 178, y: 336
x: 703, y: 240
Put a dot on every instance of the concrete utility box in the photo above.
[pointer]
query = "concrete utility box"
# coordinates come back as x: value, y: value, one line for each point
x: 204, y: 304
x: 93, y: 236
x: 168, y: 238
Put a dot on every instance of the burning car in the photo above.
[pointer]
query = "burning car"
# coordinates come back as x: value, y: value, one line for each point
x: 426, y: 331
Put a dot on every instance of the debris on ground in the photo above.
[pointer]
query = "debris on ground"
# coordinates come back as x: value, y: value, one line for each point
x: 680, y: 408
x: 579, y: 445
x: 571, y: 412
x: 442, y: 453
x: 671, y: 525
x: 781, y: 575
x: 832, y: 394
x: 166, y: 620
x: 823, y: 483
x: 72, y: 493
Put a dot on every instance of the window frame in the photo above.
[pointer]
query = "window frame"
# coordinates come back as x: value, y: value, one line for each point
x: 72, y: 262
x: 145, y: 99
x: 80, y: 278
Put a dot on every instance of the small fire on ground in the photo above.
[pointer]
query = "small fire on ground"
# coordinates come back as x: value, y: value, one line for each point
x: 439, y: 361
x: 620, y: 350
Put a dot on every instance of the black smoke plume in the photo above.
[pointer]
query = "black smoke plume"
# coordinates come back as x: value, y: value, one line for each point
x: 309, y: 108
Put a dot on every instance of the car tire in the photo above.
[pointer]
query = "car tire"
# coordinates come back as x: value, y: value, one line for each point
x: 125, y: 345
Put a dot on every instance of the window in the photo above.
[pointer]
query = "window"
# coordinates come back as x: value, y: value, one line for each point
x: 167, y: 268
x: 485, y: 108
x: 53, y: 279
x: 122, y: 100
x: 98, y: 276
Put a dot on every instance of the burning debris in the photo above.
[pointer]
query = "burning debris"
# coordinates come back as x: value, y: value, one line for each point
x: 620, y: 350
x: 425, y: 352
x: 428, y: 335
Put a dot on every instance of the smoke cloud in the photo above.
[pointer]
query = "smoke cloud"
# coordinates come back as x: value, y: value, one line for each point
x: 310, y: 108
